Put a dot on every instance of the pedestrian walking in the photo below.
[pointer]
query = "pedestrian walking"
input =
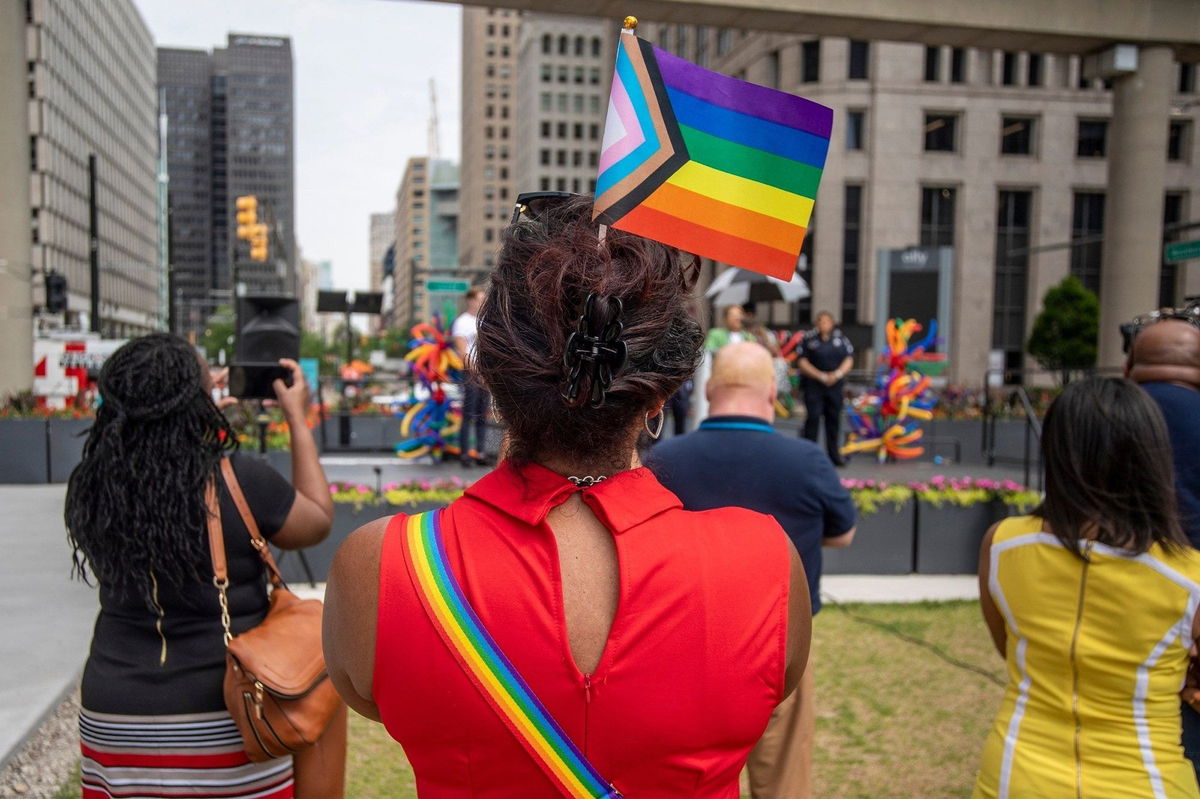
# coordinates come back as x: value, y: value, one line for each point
x: 736, y: 458
x: 826, y: 356
x: 476, y: 401
x: 154, y: 721
x: 650, y: 644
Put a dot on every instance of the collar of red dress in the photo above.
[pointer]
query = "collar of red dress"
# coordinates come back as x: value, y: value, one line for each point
x: 529, y: 492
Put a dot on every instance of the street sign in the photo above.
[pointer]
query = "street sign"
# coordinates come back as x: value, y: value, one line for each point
x: 448, y: 286
x: 1181, y: 251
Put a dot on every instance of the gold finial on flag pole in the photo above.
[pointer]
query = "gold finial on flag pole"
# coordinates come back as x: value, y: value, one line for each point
x: 630, y: 24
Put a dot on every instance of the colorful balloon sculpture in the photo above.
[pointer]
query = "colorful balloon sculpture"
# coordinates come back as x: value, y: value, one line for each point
x: 430, y: 426
x: 886, y: 420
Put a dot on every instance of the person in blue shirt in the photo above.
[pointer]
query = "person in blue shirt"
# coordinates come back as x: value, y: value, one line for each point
x: 736, y: 458
x: 1164, y: 359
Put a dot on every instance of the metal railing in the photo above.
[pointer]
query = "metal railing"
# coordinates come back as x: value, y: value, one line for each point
x: 1031, y: 456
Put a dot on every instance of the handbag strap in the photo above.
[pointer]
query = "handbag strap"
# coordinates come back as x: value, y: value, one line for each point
x: 501, y: 685
x: 260, y: 543
x: 216, y: 539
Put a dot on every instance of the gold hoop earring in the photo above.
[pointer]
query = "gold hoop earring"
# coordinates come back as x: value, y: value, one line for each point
x: 656, y: 432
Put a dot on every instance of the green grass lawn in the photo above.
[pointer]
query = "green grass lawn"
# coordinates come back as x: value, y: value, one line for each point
x: 894, y: 718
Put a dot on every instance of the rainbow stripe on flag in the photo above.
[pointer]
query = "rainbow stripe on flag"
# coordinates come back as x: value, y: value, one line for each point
x: 483, y: 661
x: 707, y: 163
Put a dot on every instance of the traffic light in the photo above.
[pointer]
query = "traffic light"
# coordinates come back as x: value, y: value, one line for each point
x: 56, y: 293
x: 258, y: 243
x: 247, y: 215
x: 249, y: 228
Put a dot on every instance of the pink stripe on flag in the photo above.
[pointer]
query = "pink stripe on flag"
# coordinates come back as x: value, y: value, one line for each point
x: 633, y: 138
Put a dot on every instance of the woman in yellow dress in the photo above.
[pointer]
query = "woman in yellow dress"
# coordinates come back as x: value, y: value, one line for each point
x: 1092, y: 602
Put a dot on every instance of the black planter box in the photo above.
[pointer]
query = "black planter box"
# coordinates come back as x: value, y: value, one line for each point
x: 366, y: 432
x: 23, y: 453
x: 883, y: 544
x: 948, y: 537
x: 346, y: 519
x: 66, y: 440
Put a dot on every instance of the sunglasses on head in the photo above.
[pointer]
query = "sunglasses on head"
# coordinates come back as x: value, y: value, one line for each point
x: 1189, y: 313
x: 532, y: 204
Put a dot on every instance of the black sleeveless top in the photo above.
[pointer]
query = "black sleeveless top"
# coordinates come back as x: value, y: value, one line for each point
x: 126, y: 672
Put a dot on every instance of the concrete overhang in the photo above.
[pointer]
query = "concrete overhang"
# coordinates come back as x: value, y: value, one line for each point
x: 1052, y: 26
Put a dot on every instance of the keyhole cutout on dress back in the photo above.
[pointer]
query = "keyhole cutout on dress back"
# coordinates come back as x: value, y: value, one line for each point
x: 587, y: 561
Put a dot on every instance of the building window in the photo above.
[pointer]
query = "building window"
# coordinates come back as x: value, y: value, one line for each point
x: 577, y: 103
x: 702, y: 47
x: 547, y: 73
x: 1012, y: 275
x: 810, y: 61
x: 560, y: 184
x: 547, y: 44
x: 563, y: 72
x: 1008, y: 69
x: 594, y: 103
x: 772, y: 77
x: 937, y: 216
x: 562, y: 101
x: 1033, y: 70
x: 564, y: 45
x: 545, y: 101
x: 594, y: 76
x: 1172, y: 216
x: 577, y: 131
x: 544, y: 184
x: 933, y: 57
x: 860, y: 53
x: 958, y: 65
x: 681, y: 41
x: 1187, y: 78
x: 545, y: 130
x: 579, y: 45
x: 1092, y: 138
x: 595, y: 47
x: 856, y: 130
x: 560, y: 157
x: 488, y: 235
x: 1016, y: 135
x: 851, y: 252
x: 802, y: 315
x: 1178, y: 140
x: 724, y: 40
x: 594, y: 132
x: 544, y: 157
x: 577, y: 75
x: 1087, y: 231
x: 941, y: 133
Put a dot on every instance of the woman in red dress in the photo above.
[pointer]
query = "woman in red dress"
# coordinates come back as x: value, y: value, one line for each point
x: 660, y: 640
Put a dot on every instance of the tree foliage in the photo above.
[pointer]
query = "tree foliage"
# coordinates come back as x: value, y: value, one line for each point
x: 1065, y: 331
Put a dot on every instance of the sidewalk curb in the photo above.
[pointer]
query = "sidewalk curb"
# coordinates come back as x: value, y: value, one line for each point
x: 23, y: 739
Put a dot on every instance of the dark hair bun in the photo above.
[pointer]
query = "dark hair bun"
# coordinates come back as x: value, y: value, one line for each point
x: 559, y: 401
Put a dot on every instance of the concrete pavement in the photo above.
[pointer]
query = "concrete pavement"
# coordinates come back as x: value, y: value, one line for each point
x: 47, y: 616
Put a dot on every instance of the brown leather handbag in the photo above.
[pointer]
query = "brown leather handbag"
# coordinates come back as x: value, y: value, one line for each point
x: 276, y: 686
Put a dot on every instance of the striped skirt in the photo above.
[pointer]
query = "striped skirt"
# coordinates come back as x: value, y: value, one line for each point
x: 198, y: 754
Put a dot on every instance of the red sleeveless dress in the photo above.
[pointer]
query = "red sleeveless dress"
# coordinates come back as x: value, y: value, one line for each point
x: 691, y: 671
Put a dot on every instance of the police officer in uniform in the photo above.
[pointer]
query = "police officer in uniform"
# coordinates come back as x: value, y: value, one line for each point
x: 825, y: 358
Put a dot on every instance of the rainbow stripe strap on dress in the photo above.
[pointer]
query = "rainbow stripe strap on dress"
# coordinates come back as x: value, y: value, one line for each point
x: 707, y: 163
x: 496, y: 678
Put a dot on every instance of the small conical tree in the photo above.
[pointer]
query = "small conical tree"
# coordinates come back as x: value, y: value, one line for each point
x: 1065, y: 331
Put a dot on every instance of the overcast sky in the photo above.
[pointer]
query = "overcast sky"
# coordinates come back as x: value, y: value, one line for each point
x: 362, y: 101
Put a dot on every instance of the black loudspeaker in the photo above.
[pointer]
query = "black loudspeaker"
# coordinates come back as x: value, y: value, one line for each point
x: 268, y: 328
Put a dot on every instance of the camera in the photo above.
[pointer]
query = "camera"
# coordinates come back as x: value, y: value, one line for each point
x: 256, y: 380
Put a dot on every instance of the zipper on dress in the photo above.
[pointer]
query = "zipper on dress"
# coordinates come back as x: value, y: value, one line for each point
x: 158, y: 622
x: 1087, y: 560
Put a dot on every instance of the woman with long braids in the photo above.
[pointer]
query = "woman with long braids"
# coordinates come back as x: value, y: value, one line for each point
x: 566, y: 627
x: 153, y: 720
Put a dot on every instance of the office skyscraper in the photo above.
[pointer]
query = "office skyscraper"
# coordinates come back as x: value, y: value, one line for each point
x: 231, y: 123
